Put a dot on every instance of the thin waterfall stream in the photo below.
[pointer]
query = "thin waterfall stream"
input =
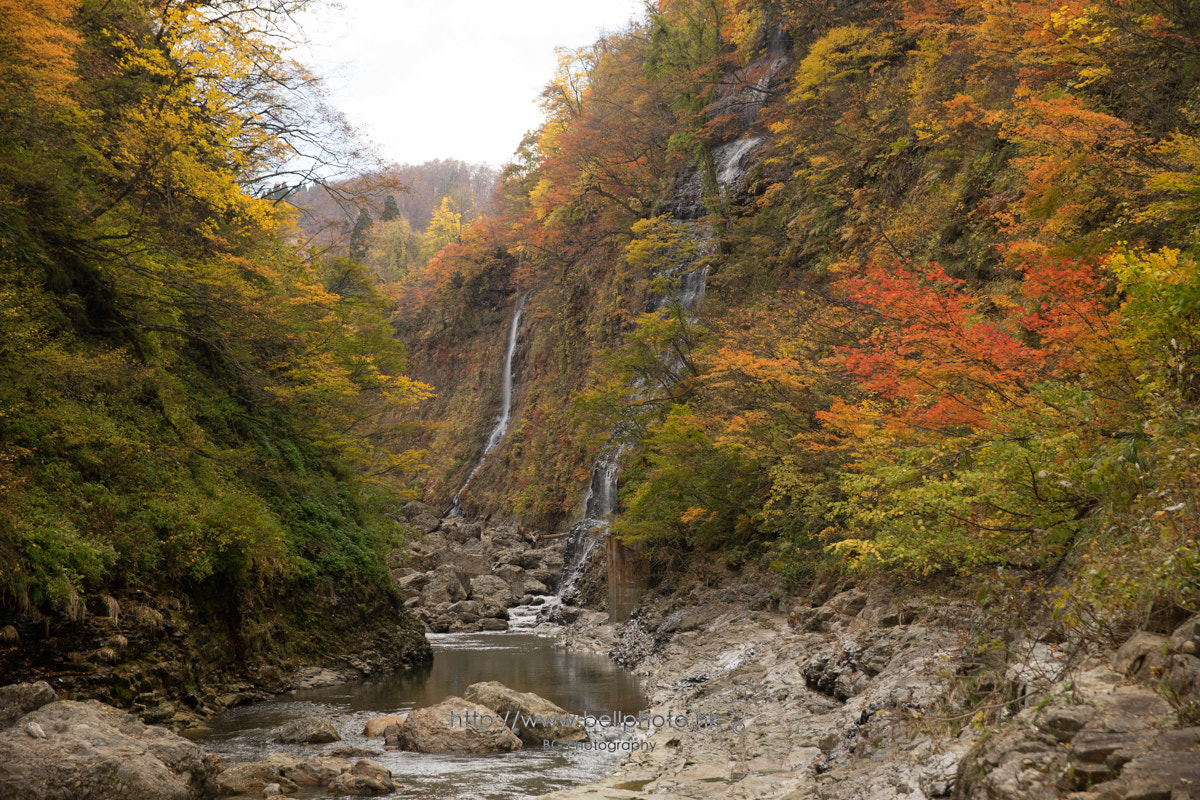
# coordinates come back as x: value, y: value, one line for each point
x: 502, y: 419
x: 687, y: 285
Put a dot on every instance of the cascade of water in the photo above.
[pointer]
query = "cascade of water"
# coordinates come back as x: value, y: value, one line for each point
x: 502, y: 419
x: 687, y: 289
x: 733, y: 160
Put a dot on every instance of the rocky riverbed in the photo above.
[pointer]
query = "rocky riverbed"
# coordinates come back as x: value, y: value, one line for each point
x: 838, y: 695
x: 873, y: 697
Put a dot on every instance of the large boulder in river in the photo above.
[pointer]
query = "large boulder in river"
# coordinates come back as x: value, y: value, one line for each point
x: 252, y: 778
x: 364, y: 779
x: 68, y: 750
x: 377, y: 725
x: 532, y: 717
x: 456, y: 725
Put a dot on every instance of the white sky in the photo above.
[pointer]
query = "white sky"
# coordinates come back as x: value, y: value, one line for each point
x: 427, y: 79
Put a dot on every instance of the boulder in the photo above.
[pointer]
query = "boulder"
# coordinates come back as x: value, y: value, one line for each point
x: 1186, y: 638
x: 848, y: 603
x: 412, y: 585
x: 465, y: 610
x: 456, y: 725
x: 493, y: 610
x: 491, y: 624
x: 447, y: 584
x: 97, y: 752
x: 312, y: 771
x: 309, y: 731
x: 532, y: 717
x: 18, y: 699
x: 492, y: 588
x: 525, y: 559
x: 253, y: 777
x: 421, y: 517
x: 377, y: 725
x: 364, y: 779
x: 1142, y: 650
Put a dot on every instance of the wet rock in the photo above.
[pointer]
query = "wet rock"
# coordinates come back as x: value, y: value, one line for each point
x: 252, y: 778
x: 391, y: 736
x: 95, y: 751
x: 376, y: 726
x: 18, y: 699
x: 313, y: 771
x: 352, y: 752
x: 309, y: 731
x: 491, y: 624
x: 364, y: 779
x: 456, y: 725
x: 532, y: 718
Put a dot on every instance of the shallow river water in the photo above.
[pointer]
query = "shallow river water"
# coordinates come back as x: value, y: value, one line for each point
x: 579, y: 682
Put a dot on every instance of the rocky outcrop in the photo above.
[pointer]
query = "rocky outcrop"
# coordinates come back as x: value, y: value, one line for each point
x: 463, y: 577
x: 456, y: 726
x: 1099, y: 736
x: 69, y: 750
x: 746, y: 705
x: 533, y: 718
x: 18, y: 699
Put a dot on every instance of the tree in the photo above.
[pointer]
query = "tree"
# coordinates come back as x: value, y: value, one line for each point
x: 391, y: 211
x: 360, y: 235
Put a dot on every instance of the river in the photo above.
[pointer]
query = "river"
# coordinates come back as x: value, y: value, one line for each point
x: 579, y: 682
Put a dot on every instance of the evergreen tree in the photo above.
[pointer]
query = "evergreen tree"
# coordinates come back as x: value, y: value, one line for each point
x: 360, y: 236
x: 391, y: 211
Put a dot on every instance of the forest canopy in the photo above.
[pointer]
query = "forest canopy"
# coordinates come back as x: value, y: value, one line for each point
x: 187, y: 399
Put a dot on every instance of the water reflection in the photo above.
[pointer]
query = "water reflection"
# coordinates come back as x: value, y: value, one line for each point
x: 578, y: 682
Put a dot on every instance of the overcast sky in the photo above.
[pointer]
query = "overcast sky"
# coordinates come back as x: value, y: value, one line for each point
x: 429, y: 79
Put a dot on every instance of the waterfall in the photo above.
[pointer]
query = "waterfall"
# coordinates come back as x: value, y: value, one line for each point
x: 502, y: 419
x: 587, y: 534
x: 600, y: 503
x: 733, y: 160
